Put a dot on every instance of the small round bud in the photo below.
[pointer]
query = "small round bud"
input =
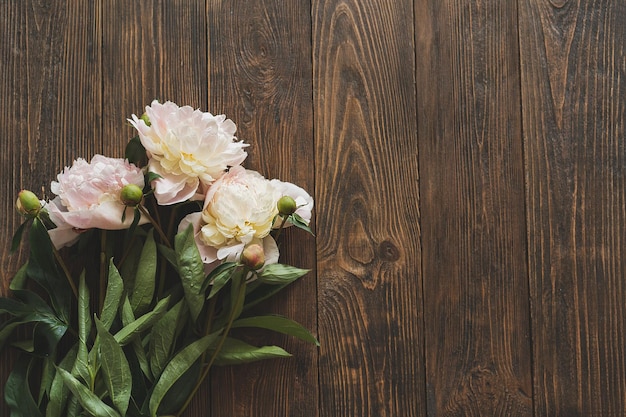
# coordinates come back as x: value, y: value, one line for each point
x: 286, y: 205
x: 253, y: 256
x: 146, y: 119
x: 27, y: 203
x: 131, y: 195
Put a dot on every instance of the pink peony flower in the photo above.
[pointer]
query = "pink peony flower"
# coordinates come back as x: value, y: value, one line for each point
x: 88, y: 196
x: 238, y: 210
x: 188, y: 148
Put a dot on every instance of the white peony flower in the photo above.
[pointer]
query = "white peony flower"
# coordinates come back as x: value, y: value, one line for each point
x: 188, y: 148
x: 239, y: 209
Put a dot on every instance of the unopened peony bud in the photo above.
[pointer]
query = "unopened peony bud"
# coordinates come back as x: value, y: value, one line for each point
x: 146, y: 119
x: 253, y: 256
x: 286, y: 205
x: 27, y: 203
x: 131, y: 195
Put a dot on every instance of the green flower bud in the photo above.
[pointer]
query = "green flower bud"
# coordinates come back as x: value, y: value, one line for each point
x: 131, y: 195
x: 28, y: 203
x: 286, y: 205
x: 253, y: 256
x: 146, y: 119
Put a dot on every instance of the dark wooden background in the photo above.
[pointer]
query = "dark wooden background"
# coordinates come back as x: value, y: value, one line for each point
x: 467, y: 158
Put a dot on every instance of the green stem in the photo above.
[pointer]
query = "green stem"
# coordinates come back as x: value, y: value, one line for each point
x: 282, y: 226
x: 241, y: 294
x: 66, y: 271
x: 103, y: 268
x: 156, y: 225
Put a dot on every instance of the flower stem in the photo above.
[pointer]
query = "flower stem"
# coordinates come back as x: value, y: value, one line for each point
x: 282, y: 226
x: 103, y: 268
x: 156, y: 225
x: 235, y: 311
x: 70, y: 281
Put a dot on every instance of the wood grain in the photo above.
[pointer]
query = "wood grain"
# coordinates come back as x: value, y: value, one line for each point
x: 152, y: 50
x: 368, y: 219
x: 478, y: 358
x: 50, y: 81
x: 573, y: 91
x: 260, y: 77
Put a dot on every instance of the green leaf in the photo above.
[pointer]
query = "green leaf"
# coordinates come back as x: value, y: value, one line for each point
x: 145, y: 279
x: 58, y: 391
x: 277, y: 274
x: 220, y: 277
x: 125, y: 335
x: 19, y: 280
x: 127, y: 318
x: 163, y: 336
x: 191, y: 270
x: 235, y: 352
x: 169, y: 254
x: 42, y: 268
x: 118, y: 378
x: 90, y: 401
x: 81, y: 366
x: 113, y: 297
x: 278, y: 324
x: 177, y: 368
x: 17, y: 393
x: 299, y: 222
x: 136, y: 153
x: 17, y: 236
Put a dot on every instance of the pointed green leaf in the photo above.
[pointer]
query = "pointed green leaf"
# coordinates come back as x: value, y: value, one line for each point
x: 58, y: 391
x: 17, y: 393
x: 20, y: 279
x: 191, y: 270
x: 145, y: 279
x: 299, y: 222
x: 278, y: 324
x: 141, y: 324
x: 135, y: 152
x: 81, y: 366
x: 113, y: 297
x: 117, y: 376
x: 235, y: 352
x: 17, y: 236
x: 177, y: 367
x: 169, y: 254
x: 281, y: 274
x: 127, y: 318
x: 220, y: 277
x: 90, y: 401
x: 163, y: 336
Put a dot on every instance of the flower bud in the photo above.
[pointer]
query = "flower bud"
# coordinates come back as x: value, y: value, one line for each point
x: 253, y: 256
x: 27, y: 203
x: 131, y: 195
x: 286, y: 205
x: 146, y: 119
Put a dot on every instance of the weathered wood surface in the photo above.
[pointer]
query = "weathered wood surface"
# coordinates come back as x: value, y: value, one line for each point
x: 467, y: 159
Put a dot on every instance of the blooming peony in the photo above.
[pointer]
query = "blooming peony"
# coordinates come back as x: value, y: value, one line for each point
x: 238, y: 210
x: 188, y: 148
x: 88, y: 196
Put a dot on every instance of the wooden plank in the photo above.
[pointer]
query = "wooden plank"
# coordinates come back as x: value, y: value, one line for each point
x: 573, y: 95
x: 51, y: 81
x: 49, y: 108
x: 260, y: 77
x: 152, y: 49
x: 476, y: 312
x: 370, y: 301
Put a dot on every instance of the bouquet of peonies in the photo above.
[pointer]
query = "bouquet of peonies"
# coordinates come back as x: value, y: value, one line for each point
x: 139, y: 269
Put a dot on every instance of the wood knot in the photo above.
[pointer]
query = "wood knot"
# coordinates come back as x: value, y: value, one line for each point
x: 388, y: 252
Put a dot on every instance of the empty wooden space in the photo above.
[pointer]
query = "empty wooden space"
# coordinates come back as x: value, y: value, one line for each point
x: 467, y: 160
